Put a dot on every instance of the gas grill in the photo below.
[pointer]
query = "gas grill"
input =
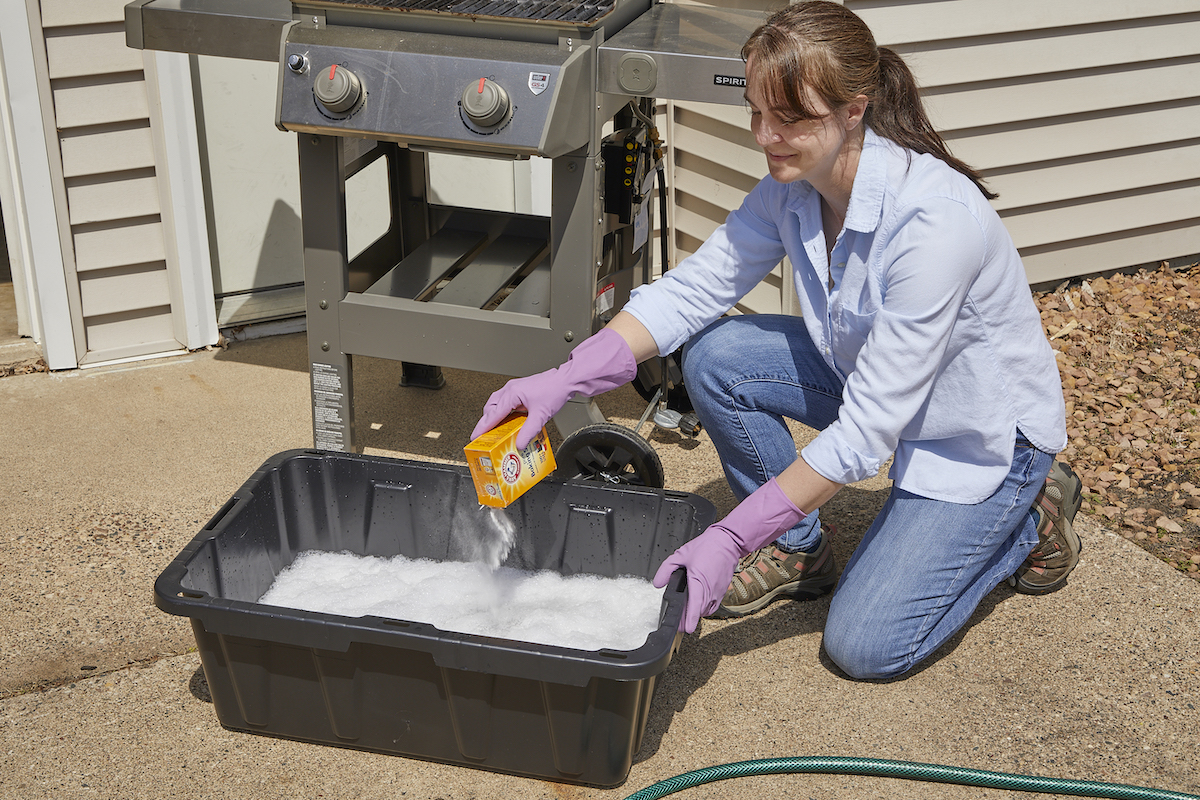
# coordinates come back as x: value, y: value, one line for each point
x: 364, y: 80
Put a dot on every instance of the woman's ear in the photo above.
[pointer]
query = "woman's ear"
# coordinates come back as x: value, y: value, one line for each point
x: 853, y: 112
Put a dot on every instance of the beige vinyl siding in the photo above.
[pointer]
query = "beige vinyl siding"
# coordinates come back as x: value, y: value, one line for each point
x: 112, y: 334
x: 61, y: 13
x: 103, y: 114
x: 985, y: 103
x: 117, y: 244
x: 1089, y: 134
x: 118, y: 98
x: 89, y: 151
x: 1085, y: 117
x: 114, y: 293
x: 716, y: 163
x: 79, y: 51
x: 105, y: 198
x: 897, y: 22
x: 1088, y: 126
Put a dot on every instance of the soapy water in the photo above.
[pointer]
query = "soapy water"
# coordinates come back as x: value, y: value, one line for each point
x: 585, y: 612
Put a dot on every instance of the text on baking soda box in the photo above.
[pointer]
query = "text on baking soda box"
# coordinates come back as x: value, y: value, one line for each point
x: 501, y: 472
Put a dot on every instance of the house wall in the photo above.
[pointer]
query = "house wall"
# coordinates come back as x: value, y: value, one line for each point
x: 34, y: 248
x: 1084, y: 117
x: 100, y: 142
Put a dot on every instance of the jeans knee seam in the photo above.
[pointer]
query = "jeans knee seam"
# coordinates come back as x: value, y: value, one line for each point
x: 737, y: 410
x: 775, y: 379
x: 758, y: 460
x: 926, y: 625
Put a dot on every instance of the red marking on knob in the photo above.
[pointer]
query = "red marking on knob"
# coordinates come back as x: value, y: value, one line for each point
x: 481, y: 80
x: 332, y: 69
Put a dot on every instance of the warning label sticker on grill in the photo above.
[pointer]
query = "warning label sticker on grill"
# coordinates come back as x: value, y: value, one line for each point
x: 329, y: 427
x: 606, y: 298
x: 538, y: 81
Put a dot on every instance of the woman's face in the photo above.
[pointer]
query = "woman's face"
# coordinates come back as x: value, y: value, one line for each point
x: 796, y: 149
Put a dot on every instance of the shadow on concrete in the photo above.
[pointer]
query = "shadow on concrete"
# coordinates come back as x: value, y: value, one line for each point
x: 286, y: 351
x: 198, y: 686
x: 404, y: 421
x: 697, y: 658
x: 414, y: 422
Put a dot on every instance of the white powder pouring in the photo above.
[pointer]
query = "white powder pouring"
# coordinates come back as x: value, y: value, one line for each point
x: 584, y: 612
x: 487, y: 539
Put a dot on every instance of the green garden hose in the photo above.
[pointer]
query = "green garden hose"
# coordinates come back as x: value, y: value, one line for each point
x: 883, y: 768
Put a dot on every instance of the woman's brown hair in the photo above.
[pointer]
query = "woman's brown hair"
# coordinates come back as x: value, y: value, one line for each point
x: 828, y: 48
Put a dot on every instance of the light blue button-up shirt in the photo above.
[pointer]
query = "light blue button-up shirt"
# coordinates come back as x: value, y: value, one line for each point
x: 930, y: 321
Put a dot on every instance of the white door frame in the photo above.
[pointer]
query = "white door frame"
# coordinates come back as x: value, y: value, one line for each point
x: 30, y: 211
x: 185, y: 220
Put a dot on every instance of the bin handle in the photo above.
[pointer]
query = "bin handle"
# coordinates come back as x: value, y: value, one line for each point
x: 221, y: 513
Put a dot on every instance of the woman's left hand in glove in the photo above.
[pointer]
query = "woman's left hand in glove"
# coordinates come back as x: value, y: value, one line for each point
x: 711, y: 557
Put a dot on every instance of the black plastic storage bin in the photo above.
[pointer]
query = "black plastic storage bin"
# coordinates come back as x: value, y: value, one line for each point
x: 409, y: 688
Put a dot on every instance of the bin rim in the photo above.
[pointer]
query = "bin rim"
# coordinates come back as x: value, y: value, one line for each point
x: 452, y: 650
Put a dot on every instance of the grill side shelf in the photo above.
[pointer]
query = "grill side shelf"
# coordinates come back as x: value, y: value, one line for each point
x: 676, y: 52
x: 249, y: 29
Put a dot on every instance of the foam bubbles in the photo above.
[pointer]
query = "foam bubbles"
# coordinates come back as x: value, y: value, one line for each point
x: 585, y: 612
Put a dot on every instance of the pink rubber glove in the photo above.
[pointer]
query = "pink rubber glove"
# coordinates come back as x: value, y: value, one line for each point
x: 711, y: 557
x: 599, y: 364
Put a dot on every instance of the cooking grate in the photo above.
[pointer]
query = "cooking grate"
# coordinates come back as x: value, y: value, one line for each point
x: 550, y: 10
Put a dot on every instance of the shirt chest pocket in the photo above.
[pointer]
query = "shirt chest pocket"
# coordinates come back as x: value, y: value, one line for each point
x: 851, y: 327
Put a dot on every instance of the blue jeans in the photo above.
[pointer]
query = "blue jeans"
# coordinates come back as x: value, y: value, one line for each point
x: 924, y: 565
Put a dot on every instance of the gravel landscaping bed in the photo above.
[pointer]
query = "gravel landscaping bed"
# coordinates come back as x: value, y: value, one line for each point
x: 1128, y: 349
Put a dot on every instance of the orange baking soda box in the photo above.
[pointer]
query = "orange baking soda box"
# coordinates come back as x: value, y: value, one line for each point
x: 501, y: 472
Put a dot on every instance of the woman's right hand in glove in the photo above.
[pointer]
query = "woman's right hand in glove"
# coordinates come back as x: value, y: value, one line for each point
x: 599, y: 364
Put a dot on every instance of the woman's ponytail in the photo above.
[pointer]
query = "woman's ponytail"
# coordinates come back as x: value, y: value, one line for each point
x: 897, y: 113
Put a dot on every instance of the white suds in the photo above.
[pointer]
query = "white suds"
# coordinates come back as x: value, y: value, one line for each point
x: 584, y: 612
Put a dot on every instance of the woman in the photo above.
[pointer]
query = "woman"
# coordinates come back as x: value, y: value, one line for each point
x: 919, y: 338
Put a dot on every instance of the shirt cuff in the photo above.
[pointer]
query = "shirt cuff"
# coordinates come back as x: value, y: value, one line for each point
x: 835, y: 461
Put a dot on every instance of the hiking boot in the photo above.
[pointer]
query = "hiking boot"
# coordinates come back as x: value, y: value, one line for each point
x: 1046, y: 568
x: 769, y: 573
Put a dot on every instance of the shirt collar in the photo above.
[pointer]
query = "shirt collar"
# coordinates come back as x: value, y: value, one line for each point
x: 866, y: 196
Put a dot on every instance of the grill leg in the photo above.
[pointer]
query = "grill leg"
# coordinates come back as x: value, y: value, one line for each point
x: 326, y: 281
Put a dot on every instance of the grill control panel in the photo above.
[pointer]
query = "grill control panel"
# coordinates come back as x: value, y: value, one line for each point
x: 489, y: 95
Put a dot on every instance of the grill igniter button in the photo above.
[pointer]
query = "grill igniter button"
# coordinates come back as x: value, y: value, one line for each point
x: 297, y: 63
x: 338, y: 89
x: 485, y: 102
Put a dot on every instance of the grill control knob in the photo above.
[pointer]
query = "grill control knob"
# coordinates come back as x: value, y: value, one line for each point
x: 485, y: 102
x: 338, y: 89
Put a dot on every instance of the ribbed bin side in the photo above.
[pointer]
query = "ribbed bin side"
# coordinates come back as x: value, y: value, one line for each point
x: 408, y: 688
x: 402, y: 508
x: 402, y: 703
x: 334, y: 504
